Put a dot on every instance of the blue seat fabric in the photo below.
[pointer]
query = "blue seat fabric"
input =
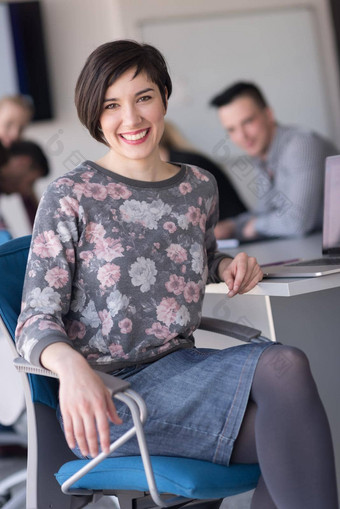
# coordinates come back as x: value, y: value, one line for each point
x: 182, y: 476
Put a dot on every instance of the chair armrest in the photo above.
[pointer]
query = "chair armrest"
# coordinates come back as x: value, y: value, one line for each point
x: 235, y: 330
x: 112, y: 383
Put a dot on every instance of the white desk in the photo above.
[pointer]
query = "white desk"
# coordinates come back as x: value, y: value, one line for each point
x: 271, y: 251
x: 304, y: 312
x: 240, y: 308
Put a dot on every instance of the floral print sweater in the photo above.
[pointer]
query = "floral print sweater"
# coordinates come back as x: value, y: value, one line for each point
x: 118, y: 267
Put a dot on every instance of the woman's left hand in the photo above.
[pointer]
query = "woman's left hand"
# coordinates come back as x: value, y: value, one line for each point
x: 240, y: 274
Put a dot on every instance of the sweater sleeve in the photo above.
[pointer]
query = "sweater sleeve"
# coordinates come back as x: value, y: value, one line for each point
x: 49, y: 274
x: 214, y: 256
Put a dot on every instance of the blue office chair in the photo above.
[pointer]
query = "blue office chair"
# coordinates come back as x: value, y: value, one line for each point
x: 139, y: 482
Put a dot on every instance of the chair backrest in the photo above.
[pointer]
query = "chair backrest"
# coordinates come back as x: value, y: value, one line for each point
x: 13, y: 261
x: 47, y: 446
x: 11, y: 392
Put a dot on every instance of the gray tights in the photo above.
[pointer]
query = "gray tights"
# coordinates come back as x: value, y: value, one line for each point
x: 285, y: 430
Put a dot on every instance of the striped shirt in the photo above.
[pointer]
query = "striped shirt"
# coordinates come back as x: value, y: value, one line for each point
x: 289, y: 184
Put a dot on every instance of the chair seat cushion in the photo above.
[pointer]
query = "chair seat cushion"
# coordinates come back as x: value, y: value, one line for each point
x: 179, y: 476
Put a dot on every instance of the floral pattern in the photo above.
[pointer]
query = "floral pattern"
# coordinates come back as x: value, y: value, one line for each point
x: 118, y: 268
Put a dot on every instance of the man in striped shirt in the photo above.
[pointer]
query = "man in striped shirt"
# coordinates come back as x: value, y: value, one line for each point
x: 287, y: 168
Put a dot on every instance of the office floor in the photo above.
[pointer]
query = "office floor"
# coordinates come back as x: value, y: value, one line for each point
x: 11, y: 465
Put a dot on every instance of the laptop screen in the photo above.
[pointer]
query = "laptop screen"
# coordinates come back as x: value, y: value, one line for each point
x: 331, y: 215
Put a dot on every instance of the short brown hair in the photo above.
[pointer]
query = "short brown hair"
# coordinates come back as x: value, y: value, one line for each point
x: 104, y: 66
x: 237, y: 90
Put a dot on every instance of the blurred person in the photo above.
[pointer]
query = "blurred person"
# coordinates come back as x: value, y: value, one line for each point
x: 15, y: 114
x: 21, y: 165
x: 176, y: 149
x: 288, y: 164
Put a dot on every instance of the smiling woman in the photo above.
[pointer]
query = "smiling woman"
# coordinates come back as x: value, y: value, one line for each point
x: 104, y: 67
x: 121, y: 253
x: 132, y: 124
x: 126, y: 107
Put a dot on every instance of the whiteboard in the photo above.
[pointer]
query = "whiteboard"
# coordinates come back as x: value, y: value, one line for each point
x: 277, y: 49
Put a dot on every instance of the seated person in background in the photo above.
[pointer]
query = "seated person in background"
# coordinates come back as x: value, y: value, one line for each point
x: 21, y: 165
x: 288, y: 164
x: 175, y: 148
x: 15, y: 114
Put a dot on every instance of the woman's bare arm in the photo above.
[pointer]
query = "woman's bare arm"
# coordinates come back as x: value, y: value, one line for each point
x: 85, y: 403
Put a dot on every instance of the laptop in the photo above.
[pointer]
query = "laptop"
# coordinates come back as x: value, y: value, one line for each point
x: 329, y: 263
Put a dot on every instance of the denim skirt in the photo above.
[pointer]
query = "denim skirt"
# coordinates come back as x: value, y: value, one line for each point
x: 196, y: 399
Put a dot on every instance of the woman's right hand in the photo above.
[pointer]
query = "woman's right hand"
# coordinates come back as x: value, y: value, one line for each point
x: 85, y: 403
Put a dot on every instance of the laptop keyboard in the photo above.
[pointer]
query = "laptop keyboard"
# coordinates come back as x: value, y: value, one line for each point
x: 320, y: 261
